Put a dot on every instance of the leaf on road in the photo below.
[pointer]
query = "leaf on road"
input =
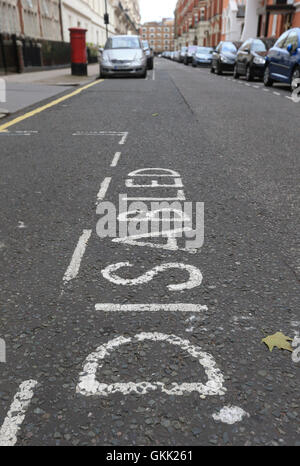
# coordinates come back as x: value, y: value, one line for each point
x: 279, y: 340
x: 155, y: 114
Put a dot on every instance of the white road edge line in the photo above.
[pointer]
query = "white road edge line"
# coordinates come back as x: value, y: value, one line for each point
x: 123, y: 140
x: 103, y: 189
x: 74, y: 266
x: 176, y: 307
x: 16, y: 413
x: 153, y: 75
x: 115, y: 160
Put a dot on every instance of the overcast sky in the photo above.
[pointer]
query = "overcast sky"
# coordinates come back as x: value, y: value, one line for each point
x: 155, y: 10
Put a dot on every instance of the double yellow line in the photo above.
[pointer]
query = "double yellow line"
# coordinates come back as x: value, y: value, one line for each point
x: 49, y: 105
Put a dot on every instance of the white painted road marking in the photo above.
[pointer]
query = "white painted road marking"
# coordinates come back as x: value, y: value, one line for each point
x: 103, y: 189
x: 180, y: 197
x: 74, y: 266
x: 89, y: 386
x: 176, y: 307
x: 195, y: 278
x: 16, y: 413
x: 124, y: 134
x: 144, y: 172
x: 154, y: 184
x: 115, y: 160
x: 18, y: 133
x: 230, y: 414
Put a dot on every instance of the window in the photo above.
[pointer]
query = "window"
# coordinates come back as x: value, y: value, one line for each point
x: 258, y: 46
x: 122, y: 43
x: 228, y: 47
x: 281, y: 40
x: 292, y: 39
x: 246, y: 45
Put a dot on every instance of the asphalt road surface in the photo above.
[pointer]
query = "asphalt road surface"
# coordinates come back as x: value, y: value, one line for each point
x: 142, y: 342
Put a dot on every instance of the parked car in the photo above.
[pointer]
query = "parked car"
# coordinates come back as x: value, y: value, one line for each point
x: 176, y: 55
x: 149, y: 54
x: 188, y: 57
x: 202, y: 56
x: 223, y: 58
x: 283, y: 60
x: 123, y: 56
x: 250, y: 60
x: 182, y: 54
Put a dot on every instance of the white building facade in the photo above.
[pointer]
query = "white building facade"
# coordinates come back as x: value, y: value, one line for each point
x: 233, y: 19
x: 51, y: 19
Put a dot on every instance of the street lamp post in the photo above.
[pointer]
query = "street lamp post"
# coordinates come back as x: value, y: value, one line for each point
x: 106, y: 19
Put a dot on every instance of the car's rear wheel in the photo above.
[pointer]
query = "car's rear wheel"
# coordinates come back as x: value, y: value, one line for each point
x: 212, y: 70
x: 249, y: 75
x: 268, y: 81
x: 194, y: 65
x: 150, y: 64
x: 296, y: 75
x: 235, y: 72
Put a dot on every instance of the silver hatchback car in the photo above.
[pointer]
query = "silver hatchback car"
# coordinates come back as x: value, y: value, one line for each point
x: 123, y: 56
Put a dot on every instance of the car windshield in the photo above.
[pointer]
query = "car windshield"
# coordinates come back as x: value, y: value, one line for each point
x: 122, y: 43
x: 258, y: 46
x: 183, y: 49
x: 192, y: 48
x: 229, y: 47
x: 205, y: 50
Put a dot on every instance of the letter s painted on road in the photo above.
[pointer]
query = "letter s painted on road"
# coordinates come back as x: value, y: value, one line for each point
x: 195, y: 276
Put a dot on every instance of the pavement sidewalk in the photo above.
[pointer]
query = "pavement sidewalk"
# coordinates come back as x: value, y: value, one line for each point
x: 24, y: 90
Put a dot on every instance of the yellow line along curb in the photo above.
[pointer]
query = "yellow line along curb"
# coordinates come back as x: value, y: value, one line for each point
x: 45, y: 107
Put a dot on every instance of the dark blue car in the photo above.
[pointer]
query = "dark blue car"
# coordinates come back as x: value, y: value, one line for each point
x: 283, y: 60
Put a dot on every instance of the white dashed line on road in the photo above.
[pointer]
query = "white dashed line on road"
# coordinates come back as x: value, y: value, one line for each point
x: 16, y: 413
x: 103, y: 189
x: 74, y: 266
x: 115, y: 160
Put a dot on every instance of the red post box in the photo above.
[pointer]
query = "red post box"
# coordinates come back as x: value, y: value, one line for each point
x: 78, y: 51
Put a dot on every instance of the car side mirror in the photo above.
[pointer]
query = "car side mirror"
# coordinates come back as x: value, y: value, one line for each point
x: 290, y: 48
x: 101, y: 50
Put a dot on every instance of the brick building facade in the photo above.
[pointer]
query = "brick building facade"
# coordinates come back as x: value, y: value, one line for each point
x: 160, y: 35
x: 199, y: 22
